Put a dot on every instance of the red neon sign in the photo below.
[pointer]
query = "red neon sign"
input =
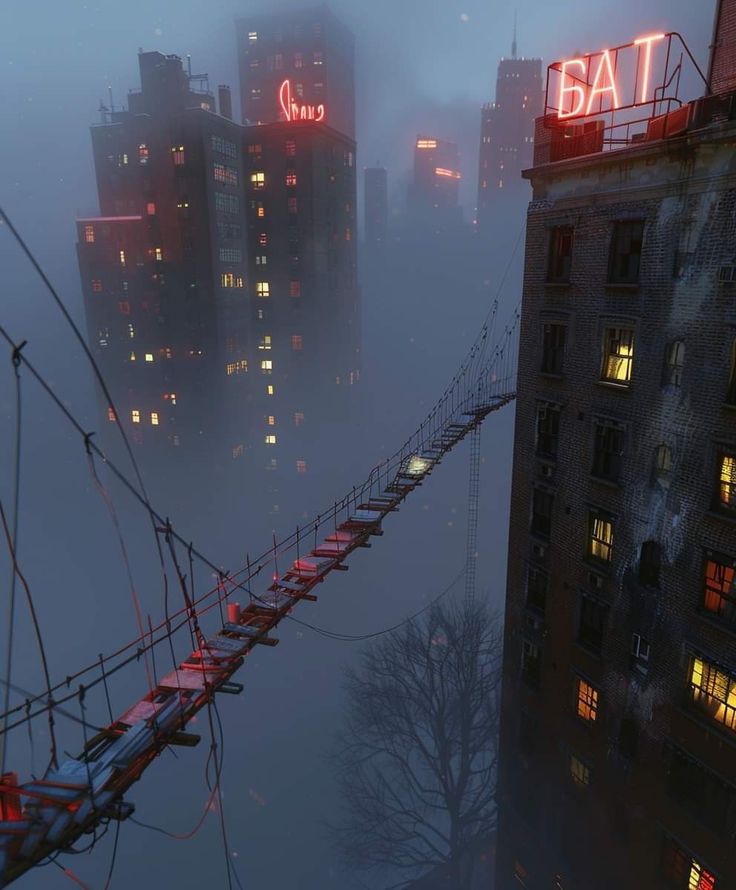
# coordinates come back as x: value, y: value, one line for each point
x: 646, y: 71
x: 295, y: 111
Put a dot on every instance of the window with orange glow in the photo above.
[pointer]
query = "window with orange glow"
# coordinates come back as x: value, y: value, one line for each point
x: 239, y: 367
x: 713, y: 691
x: 135, y: 416
x: 89, y: 234
x: 727, y: 482
x: 601, y: 536
x: 271, y: 420
x: 618, y: 355
x: 586, y: 705
x: 154, y: 418
x: 720, y: 586
x: 261, y: 211
x: 230, y: 280
x: 111, y: 415
x: 122, y: 257
x: 683, y: 871
x: 159, y: 254
x: 258, y: 179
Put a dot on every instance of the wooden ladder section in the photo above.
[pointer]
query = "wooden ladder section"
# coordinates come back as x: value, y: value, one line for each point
x: 40, y: 817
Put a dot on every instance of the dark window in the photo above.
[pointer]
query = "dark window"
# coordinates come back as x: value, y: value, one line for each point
x: 731, y: 393
x: 560, y: 255
x: 608, y: 447
x: 542, y: 501
x: 662, y: 469
x: 719, y: 592
x: 650, y: 560
x: 640, y: 651
x: 706, y: 797
x: 531, y: 663
x: 682, y: 871
x: 592, y: 623
x: 536, y: 588
x: 628, y: 738
x: 625, y: 258
x: 726, y: 491
x: 553, y: 348
x: 674, y: 363
x: 548, y: 428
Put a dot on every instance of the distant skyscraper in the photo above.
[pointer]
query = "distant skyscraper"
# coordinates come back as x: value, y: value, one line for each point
x: 163, y: 267
x: 434, y: 190
x: 375, y: 205
x: 297, y: 64
x: 302, y: 282
x: 507, y: 129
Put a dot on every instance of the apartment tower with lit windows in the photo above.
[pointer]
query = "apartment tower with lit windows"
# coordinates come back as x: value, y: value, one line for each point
x: 303, y: 57
x: 507, y: 132
x: 163, y: 264
x: 618, y: 729
x: 433, y: 199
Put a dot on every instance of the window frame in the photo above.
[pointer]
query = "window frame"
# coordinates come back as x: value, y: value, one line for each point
x: 612, y: 344
x: 554, y: 348
x: 610, y: 455
x: 624, y: 231
x: 543, y: 529
x: 595, y: 515
x: 559, y: 262
x: 715, y: 591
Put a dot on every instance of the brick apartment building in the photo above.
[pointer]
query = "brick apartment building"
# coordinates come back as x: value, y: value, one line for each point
x: 618, y: 732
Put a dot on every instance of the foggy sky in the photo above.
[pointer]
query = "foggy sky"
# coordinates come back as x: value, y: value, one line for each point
x: 420, y: 67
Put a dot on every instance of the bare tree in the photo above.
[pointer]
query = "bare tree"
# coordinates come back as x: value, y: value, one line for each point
x: 416, y: 759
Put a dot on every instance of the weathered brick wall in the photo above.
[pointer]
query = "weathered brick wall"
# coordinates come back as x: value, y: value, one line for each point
x: 609, y: 835
x: 723, y: 53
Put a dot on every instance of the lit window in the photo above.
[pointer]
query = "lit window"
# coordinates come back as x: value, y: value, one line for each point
x: 238, y: 367
x: 269, y: 390
x: 151, y: 208
x: 295, y: 288
x: 165, y: 352
x: 297, y: 342
x: 727, y: 482
x: 713, y: 690
x: 298, y: 418
x: 258, y: 179
x: 149, y: 356
x: 229, y: 279
x: 261, y: 260
x: 720, y: 587
x: 586, y: 703
x: 579, y: 771
x: 270, y: 439
x: 135, y: 416
x: 271, y: 420
x: 263, y: 289
x: 674, y: 363
x: 122, y: 257
x: 261, y: 211
x: 177, y: 155
x: 291, y: 205
x: 683, y: 871
x: 265, y: 342
x: 618, y: 355
x: 263, y: 239
x: 291, y: 177
x: 122, y: 159
x: 111, y: 415
x: 154, y: 418
x: 252, y: 36
x: 225, y: 174
x: 601, y: 537
x: 96, y: 285
x: 317, y: 58
x: 89, y: 234
x: 142, y: 154
x: 290, y: 148
x: 266, y: 366
x: 301, y: 466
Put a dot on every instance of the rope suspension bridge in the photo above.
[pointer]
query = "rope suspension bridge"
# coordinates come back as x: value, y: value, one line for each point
x: 43, y: 817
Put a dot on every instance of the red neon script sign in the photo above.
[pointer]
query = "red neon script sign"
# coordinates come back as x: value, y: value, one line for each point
x: 294, y: 111
x: 627, y: 76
